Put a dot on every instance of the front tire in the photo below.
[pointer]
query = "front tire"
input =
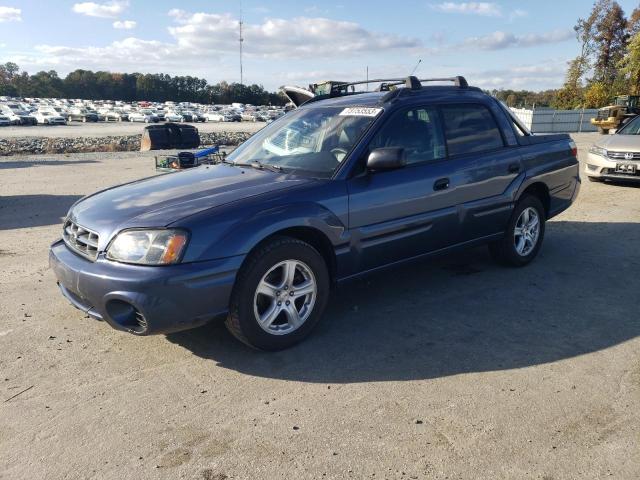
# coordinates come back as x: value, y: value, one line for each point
x: 280, y: 295
x: 524, y: 235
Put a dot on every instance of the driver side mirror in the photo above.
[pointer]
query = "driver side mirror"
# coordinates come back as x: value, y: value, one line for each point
x: 386, y: 158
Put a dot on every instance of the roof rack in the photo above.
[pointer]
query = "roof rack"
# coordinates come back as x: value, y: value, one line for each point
x: 334, y: 89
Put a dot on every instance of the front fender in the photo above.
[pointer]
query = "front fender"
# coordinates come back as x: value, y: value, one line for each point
x: 221, y: 239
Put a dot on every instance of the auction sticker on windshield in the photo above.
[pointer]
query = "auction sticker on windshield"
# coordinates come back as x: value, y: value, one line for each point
x: 360, y: 112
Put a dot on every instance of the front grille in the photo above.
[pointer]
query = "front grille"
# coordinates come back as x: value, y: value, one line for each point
x: 81, y: 240
x: 623, y: 155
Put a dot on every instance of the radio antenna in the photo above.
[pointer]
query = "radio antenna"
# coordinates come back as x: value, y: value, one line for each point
x: 416, y: 67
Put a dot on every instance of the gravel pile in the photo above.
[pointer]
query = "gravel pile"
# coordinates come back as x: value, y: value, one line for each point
x: 38, y: 145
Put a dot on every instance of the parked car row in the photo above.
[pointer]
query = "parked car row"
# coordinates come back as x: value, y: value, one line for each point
x: 43, y: 111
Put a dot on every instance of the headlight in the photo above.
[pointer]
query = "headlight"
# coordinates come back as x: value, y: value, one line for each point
x: 148, y: 247
x: 598, y: 151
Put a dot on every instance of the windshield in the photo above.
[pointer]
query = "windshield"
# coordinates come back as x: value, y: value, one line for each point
x: 631, y: 128
x: 309, y: 140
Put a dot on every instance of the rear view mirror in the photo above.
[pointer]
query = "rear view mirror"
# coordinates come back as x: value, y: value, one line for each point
x: 387, y: 158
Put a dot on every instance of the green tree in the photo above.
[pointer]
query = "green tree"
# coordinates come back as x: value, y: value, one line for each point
x: 630, y: 65
x: 610, y: 40
x: 570, y: 95
x: 597, y: 95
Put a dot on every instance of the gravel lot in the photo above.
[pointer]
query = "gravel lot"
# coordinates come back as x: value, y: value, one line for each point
x: 452, y: 368
x: 105, y: 129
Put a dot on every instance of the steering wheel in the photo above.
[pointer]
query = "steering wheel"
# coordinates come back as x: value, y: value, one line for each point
x: 339, y: 153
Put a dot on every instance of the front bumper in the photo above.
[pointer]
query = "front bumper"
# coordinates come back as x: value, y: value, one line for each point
x: 141, y: 299
x: 603, y: 167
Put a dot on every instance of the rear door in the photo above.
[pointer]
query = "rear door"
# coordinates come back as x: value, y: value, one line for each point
x: 487, y: 155
x: 406, y: 212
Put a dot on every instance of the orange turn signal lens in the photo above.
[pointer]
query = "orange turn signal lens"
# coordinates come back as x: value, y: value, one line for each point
x: 174, y: 248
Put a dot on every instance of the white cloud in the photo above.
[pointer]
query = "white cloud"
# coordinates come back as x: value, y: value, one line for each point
x: 518, y: 13
x: 200, y: 41
x: 282, y: 38
x: 10, y: 14
x: 128, y: 54
x: 124, y: 24
x: 501, y: 40
x: 541, y: 76
x: 104, y: 10
x: 487, y: 9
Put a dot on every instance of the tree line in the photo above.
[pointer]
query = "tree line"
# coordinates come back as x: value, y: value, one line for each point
x: 129, y: 87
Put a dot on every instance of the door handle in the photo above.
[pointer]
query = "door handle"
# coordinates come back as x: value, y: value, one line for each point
x: 441, y: 184
x: 514, y: 168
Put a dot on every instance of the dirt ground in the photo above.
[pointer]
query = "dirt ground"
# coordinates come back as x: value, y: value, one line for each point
x: 452, y: 368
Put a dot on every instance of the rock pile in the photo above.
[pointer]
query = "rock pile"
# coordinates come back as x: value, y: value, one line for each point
x: 38, y: 145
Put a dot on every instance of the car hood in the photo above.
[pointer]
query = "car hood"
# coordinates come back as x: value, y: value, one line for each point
x: 162, y: 200
x: 297, y: 95
x: 621, y: 143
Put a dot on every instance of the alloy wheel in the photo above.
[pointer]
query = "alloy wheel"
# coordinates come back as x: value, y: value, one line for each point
x: 526, y: 231
x: 285, y: 297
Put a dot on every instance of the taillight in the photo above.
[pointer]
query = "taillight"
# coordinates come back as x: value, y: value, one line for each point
x: 574, y: 148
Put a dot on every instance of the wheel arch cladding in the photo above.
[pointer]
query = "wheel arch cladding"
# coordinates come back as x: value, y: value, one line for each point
x: 540, y: 190
x: 311, y: 235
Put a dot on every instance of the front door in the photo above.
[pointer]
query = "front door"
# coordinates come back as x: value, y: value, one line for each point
x: 406, y: 212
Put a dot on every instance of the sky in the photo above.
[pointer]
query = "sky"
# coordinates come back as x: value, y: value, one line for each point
x: 497, y: 44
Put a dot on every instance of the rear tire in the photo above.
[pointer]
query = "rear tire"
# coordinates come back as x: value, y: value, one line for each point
x: 268, y: 268
x: 523, y: 237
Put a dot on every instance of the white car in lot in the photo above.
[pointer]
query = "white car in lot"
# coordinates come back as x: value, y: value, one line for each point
x: 145, y: 116
x: 616, y: 157
x: 48, y: 118
x: 214, y: 117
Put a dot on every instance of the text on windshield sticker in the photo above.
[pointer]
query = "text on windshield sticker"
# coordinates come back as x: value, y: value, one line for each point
x: 360, y: 112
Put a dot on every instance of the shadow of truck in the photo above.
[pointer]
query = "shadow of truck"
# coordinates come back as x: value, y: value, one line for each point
x: 461, y: 314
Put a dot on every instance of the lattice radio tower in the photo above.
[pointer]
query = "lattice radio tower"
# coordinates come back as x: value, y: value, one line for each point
x: 240, y: 39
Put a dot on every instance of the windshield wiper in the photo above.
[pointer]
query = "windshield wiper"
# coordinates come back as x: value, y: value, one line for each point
x: 261, y: 166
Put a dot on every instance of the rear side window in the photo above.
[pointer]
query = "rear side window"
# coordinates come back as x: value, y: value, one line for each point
x: 470, y: 128
x: 417, y: 130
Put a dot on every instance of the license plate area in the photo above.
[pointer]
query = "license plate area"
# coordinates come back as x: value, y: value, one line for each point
x: 626, y: 168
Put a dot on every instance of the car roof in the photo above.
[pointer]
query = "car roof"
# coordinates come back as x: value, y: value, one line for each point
x: 426, y: 93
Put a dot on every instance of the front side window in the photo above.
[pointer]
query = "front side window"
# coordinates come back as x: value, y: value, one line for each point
x: 309, y: 140
x: 470, y: 128
x: 417, y: 130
